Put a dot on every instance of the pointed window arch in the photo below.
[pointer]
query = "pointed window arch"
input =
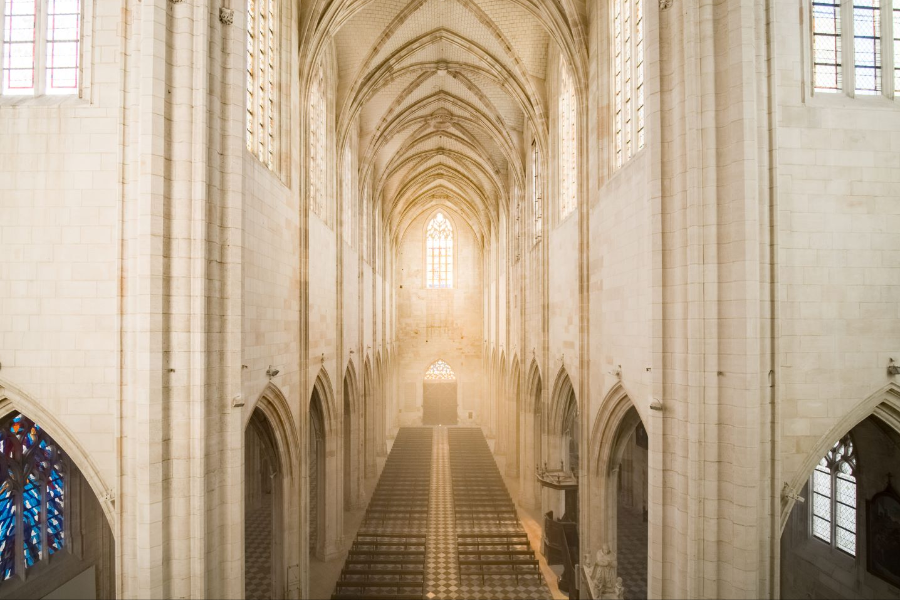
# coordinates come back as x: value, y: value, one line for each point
x: 32, y: 495
x: 628, y: 78
x: 833, y: 487
x: 318, y: 143
x: 568, y: 146
x: 440, y: 371
x: 262, y: 63
x: 439, y: 252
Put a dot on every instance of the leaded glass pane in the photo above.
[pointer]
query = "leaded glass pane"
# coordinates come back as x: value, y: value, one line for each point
x: 63, y: 45
x: 845, y: 517
x: 822, y: 529
x: 826, y: 18
x: 568, y: 155
x: 867, y: 45
x: 896, y: 12
x: 439, y: 253
x: 822, y: 482
x: 845, y: 540
x: 55, y: 505
x: 19, y: 25
x: 31, y: 519
x: 822, y: 506
x: 317, y: 145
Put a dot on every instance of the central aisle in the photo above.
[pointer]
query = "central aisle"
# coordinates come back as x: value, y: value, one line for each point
x: 474, y: 544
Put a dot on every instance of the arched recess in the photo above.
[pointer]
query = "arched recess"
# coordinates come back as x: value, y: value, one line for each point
x: 846, y: 528
x: 532, y: 430
x: 368, y: 411
x: 619, y: 449
x: 380, y: 394
x: 271, y: 498
x: 563, y: 435
x: 325, y: 482
x: 82, y: 535
x: 500, y: 404
x: 354, y: 482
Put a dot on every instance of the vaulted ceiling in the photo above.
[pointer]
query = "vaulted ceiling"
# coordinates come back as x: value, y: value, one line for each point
x: 441, y: 91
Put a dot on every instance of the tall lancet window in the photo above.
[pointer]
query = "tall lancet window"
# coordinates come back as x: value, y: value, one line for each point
x: 261, y: 65
x: 32, y: 496
x: 568, y: 146
x: 834, y: 497
x: 628, y: 79
x: 317, y: 143
x: 41, y: 47
x: 439, y: 253
x: 536, y: 193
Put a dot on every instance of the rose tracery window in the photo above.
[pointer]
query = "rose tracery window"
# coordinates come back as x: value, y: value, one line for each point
x: 439, y: 253
x: 834, y: 497
x: 439, y: 371
x: 32, y: 496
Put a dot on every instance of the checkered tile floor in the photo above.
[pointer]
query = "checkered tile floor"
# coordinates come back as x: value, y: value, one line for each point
x: 632, y: 555
x: 258, y: 553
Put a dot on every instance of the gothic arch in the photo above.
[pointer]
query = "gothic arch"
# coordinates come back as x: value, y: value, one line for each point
x: 354, y: 483
x: 14, y: 399
x: 325, y: 391
x: 561, y: 400
x: 274, y: 406
x: 884, y: 404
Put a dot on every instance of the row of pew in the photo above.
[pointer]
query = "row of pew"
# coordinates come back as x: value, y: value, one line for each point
x: 491, y: 543
x: 387, y: 558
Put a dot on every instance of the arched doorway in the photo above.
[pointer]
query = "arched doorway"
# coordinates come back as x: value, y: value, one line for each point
x: 316, y: 458
x: 262, y: 495
x: 620, y: 446
x: 54, y: 535
x: 844, y: 540
x: 439, y: 395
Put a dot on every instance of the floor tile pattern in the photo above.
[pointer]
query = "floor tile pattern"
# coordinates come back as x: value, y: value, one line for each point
x: 258, y: 553
x: 441, y: 573
x: 632, y: 554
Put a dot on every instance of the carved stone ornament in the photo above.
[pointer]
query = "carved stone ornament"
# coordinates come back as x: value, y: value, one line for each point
x: 665, y: 4
x: 226, y: 16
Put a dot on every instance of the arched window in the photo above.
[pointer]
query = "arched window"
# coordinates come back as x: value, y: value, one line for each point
x: 628, y: 78
x: 49, y: 65
x: 32, y: 496
x: 834, y: 497
x: 439, y: 371
x: 439, y: 253
x: 317, y: 143
x: 346, y: 194
x: 261, y: 72
x: 568, y: 146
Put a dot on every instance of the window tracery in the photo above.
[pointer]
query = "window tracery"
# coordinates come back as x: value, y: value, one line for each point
x: 35, y: 66
x: 317, y: 143
x: 834, y: 497
x: 536, y: 193
x: 346, y: 193
x: 439, y: 371
x: 32, y: 496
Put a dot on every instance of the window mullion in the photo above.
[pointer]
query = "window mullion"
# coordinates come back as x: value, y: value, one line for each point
x: 2, y: 40
x: 40, y: 50
x: 887, y: 48
x: 847, y: 48
x: 45, y: 550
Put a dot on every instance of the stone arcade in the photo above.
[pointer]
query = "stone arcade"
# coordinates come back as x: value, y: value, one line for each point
x: 450, y: 298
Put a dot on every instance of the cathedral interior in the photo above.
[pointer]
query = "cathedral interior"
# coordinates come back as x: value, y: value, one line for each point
x: 450, y: 299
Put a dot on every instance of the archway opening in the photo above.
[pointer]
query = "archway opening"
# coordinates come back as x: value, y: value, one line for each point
x: 439, y: 395
x: 843, y: 541
x: 316, y: 472
x: 262, y: 496
x: 631, y: 481
x: 54, y: 536
x: 351, y: 445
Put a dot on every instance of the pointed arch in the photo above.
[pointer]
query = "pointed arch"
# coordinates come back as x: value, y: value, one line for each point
x: 14, y: 399
x: 273, y: 405
x: 352, y: 382
x: 617, y: 414
x: 884, y: 404
x: 562, y: 401
x: 533, y: 387
x: 324, y: 390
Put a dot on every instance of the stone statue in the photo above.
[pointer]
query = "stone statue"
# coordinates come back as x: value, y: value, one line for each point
x: 604, y: 574
x: 620, y: 588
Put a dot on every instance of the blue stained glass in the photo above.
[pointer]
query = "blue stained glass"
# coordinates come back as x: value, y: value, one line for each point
x: 31, y: 520
x: 7, y: 531
x: 55, y: 512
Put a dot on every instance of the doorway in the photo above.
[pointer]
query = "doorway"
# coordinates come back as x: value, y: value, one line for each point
x: 439, y: 395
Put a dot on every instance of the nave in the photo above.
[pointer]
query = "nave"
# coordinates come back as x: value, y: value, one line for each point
x: 441, y: 524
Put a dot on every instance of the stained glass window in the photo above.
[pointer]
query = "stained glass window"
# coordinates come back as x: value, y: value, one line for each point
x: 261, y: 65
x: 439, y: 371
x: 439, y: 253
x: 32, y: 494
x: 317, y: 143
x: 833, y: 488
x: 568, y: 146
x: 536, y: 192
x: 826, y: 20
x: 628, y: 79
x: 867, y: 45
